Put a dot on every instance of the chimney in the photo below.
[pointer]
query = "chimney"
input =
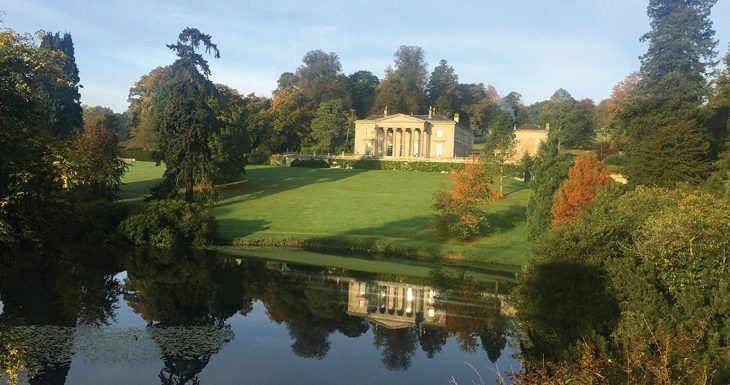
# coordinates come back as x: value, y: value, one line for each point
x: 430, y: 112
x: 385, y: 112
x: 456, y: 117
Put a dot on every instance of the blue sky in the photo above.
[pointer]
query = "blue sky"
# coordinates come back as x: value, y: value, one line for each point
x: 529, y: 46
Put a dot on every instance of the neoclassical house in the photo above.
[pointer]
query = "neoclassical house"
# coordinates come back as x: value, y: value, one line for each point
x: 529, y: 137
x: 412, y: 136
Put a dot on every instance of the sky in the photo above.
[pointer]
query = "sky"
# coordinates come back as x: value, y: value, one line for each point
x: 533, y: 47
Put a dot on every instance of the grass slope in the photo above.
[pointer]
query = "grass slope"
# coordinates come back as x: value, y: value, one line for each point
x: 383, y: 211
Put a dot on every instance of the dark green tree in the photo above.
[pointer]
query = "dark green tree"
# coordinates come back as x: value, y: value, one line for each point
x: 231, y: 143
x: 141, y: 112
x: 63, y: 98
x: 443, y: 89
x: 184, y: 117
x: 550, y: 169
x: 404, y: 88
x: 332, y: 128
x: 672, y: 87
x: 363, y: 86
x: 568, y: 120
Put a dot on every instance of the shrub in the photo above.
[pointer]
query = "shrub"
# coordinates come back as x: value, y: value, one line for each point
x: 617, y: 159
x: 310, y: 163
x: 169, y: 223
x: 458, y: 212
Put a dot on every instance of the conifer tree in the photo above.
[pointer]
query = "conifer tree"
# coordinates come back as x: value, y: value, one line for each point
x: 550, y: 169
x: 63, y: 98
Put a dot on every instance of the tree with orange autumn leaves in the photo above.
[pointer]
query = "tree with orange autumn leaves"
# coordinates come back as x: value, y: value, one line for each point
x: 458, y: 209
x: 578, y: 192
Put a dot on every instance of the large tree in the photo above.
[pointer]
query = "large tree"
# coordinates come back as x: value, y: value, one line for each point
x: 184, y: 117
x: 140, y: 112
x: 332, y: 128
x: 363, y: 86
x: 63, y: 98
x: 231, y: 143
x: 568, y: 120
x: 443, y: 89
x: 672, y: 87
x: 404, y: 87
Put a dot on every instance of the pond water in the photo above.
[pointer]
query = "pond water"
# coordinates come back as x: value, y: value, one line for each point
x: 200, y: 318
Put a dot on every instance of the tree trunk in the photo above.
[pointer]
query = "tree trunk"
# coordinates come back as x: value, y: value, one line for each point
x: 189, y: 187
x: 501, y: 180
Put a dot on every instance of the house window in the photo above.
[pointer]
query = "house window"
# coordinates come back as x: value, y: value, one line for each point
x: 368, y: 148
x: 439, y: 133
x: 439, y: 149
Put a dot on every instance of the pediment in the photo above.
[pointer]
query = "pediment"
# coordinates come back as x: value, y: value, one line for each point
x: 396, y: 118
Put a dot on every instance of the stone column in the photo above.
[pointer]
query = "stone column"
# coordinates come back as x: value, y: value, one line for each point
x: 385, y: 142
x: 397, y: 139
x: 421, y: 144
x: 409, y: 143
x: 428, y: 144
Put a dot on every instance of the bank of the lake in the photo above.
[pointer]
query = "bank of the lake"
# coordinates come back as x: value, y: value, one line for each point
x: 359, y: 212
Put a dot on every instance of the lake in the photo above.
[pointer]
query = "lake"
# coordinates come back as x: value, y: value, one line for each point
x: 192, y: 317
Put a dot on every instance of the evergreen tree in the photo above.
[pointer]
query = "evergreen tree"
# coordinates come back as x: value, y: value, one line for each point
x: 184, y: 117
x: 550, y: 169
x: 332, y: 128
x: 443, y: 89
x: 63, y: 98
x: 363, y: 86
x: 672, y: 87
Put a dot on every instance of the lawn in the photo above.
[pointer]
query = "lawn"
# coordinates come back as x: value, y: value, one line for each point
x: 384, y: 210
x: 138, y: 179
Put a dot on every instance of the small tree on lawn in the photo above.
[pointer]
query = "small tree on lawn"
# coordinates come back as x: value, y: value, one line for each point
x: 458, y: 209
x: 578, y: 192
x: 500, y: 146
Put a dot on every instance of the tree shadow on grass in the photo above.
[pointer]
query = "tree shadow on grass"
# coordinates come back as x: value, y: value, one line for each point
x: 504, y: 220
x: 262, y: 182
x: 138, y: 190
x: 229, y: 229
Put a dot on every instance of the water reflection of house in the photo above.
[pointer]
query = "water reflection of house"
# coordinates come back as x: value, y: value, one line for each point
x: 394, y: 305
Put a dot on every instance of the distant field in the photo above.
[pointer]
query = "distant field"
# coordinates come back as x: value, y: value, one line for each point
x: 138, y: 179
x: 389, y: 209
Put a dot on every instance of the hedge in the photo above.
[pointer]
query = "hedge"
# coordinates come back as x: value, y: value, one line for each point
x: 615, y: 160
x: 375, y: 164
x: 310, y: 163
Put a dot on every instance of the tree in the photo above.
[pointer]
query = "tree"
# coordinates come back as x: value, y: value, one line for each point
x: 500, y: 146
x: 141, y: 112
x: 550, y: 168
x: 231, y: 143
x: 671, y: 90
x: 184, y: 117
x: 93, y: 166
x: 672, y: 154
x: 458, y: 210
x: 579, y: 191
x: 443, y: 89
x: 32, y: 201
x: 403, y: 89
x: 95, y: 116
x: 568, y: 120
x: 363, y: 86
x: 332, y: 128
x: 63, y: 98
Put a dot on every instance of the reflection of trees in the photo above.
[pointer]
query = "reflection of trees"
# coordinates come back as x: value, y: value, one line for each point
x: 561, y: 303
x: 312, y: 309
x: 188, y: 288
x: 72, y: 287
x: 398, y: 346
x: 432, y: 340
x: 471, y: 317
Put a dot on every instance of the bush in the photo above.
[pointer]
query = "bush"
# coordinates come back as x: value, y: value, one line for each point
x: 169, y: 223
x: 617, y: 159
x: 375, y: 164
x: 310, y: 163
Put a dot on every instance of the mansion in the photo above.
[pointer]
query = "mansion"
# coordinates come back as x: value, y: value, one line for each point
x: 412, y: 136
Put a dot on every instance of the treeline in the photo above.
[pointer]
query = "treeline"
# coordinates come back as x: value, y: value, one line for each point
x: 630, y: 282
x: 314, y: 107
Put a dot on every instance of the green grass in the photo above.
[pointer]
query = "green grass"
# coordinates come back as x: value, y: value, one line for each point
x: 368, y: 212
x: 138, y: 179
